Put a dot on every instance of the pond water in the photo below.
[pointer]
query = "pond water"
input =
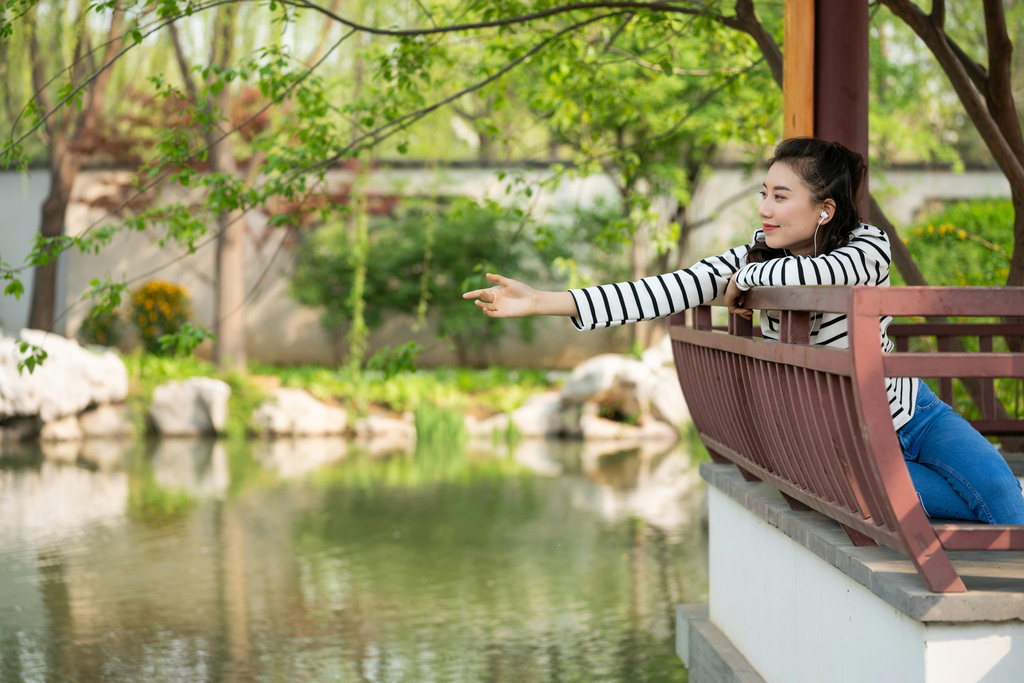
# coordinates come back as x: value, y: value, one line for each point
x: 308, y: 561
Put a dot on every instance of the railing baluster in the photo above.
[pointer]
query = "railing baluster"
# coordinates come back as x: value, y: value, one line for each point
x: 945, y: 384
x: 988, y: 389
x: 702, y: 318
x: 836, y: 445
x: 740, y: 326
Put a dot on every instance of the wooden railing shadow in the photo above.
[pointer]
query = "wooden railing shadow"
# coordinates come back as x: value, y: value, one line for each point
x: 814, y: 422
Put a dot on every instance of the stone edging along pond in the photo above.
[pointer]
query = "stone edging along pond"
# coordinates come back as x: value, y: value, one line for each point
x: 80, y: 394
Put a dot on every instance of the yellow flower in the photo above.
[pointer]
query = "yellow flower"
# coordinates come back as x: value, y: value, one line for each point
x: 152, y: 316
x: 961, y: 234
x: 931, y: 229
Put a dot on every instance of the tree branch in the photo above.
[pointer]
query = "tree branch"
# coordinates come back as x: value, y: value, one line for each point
x: 97, y: 94
x: 746, y: 21
x: 984, y: 119
x: 41, y: 97
x: 50, y: 111
x: 507, y: 21
x: 183, y: 65
x: 1000, y: 57
x: 975, y: 71
x: 938, y: 15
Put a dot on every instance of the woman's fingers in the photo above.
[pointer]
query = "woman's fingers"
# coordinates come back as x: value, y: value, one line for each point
x: 485, y: 294
x: 498, y: 279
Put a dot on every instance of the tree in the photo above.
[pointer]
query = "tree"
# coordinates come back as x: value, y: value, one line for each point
x: 71, y: 133
x: 986, y: 92
x: 398, y: 75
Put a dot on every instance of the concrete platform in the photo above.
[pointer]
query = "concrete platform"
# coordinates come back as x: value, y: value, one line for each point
x: 706, y: 652
x: 994, y: 580
x: 797, y: 601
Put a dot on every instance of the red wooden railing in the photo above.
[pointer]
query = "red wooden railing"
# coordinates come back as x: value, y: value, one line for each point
x: 814, y: 422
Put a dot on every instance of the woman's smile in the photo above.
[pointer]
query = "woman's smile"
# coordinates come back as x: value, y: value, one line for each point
x: 788, y: 215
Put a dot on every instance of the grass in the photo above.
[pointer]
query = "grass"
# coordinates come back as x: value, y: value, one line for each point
x: 439, y: 398
x: 494, y: 390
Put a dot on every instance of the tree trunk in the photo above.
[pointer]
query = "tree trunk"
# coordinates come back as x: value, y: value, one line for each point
x: 65, y: 162
x: 64, y: 167
x: 229, y: 270
x: 229, y: 295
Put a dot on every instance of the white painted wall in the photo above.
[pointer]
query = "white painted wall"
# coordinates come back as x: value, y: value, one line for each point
x: 797, y: 619
x: 21, y: 200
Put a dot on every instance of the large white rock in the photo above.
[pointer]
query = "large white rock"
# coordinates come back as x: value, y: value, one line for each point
x: 667, y: 402
x: 380, y: 435
x: 610, y: 380
x: 70, y: 378
x: 293, y: 412
x: 601, y: 429
x: 659, y: 355
x: 543, y: 415
x: 106, y: 422
x: 196, y: 406
x: 493, y: 426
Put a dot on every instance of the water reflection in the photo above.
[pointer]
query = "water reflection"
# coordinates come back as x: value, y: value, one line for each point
x: 299, y: 560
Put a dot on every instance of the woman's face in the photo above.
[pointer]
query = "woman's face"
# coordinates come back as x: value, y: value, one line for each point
x: 788, y: 215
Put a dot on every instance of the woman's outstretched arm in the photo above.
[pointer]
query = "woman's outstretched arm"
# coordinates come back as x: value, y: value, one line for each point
x: 513, y: 299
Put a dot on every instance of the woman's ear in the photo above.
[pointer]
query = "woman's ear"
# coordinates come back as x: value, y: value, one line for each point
x: 829, y: 208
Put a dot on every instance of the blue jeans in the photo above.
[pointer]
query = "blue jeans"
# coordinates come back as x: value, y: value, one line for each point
x: 957, y: 473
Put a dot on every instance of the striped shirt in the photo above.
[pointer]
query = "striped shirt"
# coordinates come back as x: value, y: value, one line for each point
x: 864, y: 261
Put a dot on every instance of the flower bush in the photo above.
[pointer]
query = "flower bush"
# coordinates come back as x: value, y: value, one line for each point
x: 159, y: 308
x: 101, y: 327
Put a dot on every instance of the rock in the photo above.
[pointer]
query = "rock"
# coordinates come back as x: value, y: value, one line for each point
x: 652, y: 430
x: 106, y: 422
x: 64, y: 429
x: 194, y: 407
x: 659, y: 356
x: 545, y: 415
x: 493, y: 426
x: 667, y: 402
x: 294, y: 412
x: 380, y: 435
x: 69, y: 380
x: 602, y: 429
x: 610, y: 380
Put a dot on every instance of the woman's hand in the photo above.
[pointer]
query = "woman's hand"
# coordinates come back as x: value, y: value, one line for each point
x: 508, y: 299
x: 734, y: 299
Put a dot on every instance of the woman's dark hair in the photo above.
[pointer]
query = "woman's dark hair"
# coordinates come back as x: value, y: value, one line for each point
x: 830, y: 171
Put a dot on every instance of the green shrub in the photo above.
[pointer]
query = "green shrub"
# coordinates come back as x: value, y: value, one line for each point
x: 394, y: 361
x: 431, y: 254
x: 102, y: 326
x: 159, y: 308
x: 964, y: 243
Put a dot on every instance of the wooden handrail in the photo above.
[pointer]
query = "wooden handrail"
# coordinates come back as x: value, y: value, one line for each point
x: 814, y: 422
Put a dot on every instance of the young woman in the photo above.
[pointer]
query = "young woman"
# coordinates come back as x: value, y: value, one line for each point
x: 811, y: 234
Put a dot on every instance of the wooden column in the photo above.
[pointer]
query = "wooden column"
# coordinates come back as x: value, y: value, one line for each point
x: 798, y: 68
x: 841, y: 76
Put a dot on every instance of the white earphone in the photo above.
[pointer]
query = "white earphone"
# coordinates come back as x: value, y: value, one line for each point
x: 824, y: 215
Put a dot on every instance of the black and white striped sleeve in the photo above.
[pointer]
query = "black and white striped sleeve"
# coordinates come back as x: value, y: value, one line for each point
x: 658, y: 295
x: 864, y: 261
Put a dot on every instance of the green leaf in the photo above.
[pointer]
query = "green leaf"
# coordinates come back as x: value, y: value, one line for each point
x: 15, y: 289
